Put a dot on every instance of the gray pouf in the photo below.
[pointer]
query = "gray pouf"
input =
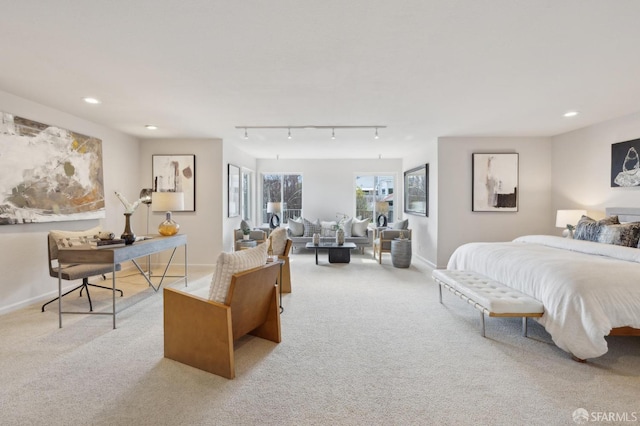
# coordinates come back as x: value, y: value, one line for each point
x: 401, y: 253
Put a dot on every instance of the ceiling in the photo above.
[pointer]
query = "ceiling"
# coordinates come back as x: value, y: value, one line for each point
x: 425, y: 69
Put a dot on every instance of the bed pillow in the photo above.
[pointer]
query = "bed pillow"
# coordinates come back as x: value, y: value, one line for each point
x: 589, y: 229
x: 311, y: 228
x: 296, y: 227
x: 231, y: 263
x: 626, y: 234
x: 359, y: 228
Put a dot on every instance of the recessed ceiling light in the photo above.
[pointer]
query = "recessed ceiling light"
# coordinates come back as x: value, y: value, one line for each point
x: 91, y: 100
x: 571, y: 113
x: 151, y: 127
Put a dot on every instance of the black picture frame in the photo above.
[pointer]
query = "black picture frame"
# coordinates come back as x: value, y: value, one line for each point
x: 233, y: 201
x: 175, y: 173
x: 416, y: 191
x: 495, y: 182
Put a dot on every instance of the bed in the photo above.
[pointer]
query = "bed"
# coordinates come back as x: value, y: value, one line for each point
x: 589, y: 289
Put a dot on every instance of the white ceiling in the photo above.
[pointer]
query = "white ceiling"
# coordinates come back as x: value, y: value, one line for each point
x: 425, y: 69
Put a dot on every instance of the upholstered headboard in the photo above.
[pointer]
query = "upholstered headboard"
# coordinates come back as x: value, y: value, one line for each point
x: 625, y: 214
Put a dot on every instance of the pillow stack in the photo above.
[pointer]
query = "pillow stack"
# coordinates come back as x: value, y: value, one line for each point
x: 608, y: 231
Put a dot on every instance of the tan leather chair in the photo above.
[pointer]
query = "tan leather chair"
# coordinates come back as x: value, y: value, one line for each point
x: 382, y: 243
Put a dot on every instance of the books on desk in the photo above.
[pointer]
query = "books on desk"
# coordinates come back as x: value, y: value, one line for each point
x: 116, y: 242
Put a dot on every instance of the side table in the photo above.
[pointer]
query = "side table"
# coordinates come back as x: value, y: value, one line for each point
x: 401, y: 252
x: 245, y: 244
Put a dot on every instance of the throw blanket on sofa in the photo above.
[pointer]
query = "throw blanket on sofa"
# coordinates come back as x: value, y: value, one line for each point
x: 586, y: 288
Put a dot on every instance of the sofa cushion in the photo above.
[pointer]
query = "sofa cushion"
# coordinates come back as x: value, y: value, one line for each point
x: 296, y: 227
x: 231, y: 263
x: 401, y: 224
x: 359, y: 227
x: 278, y: 239
x: 311, y: 228
x: 347, y: 223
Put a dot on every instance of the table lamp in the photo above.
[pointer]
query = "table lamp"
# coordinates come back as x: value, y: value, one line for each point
x: 167, y: 201
x: 274, y: 209
x: 568, y: 219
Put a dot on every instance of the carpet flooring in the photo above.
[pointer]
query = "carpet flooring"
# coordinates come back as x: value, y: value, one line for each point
x: 363, y: 344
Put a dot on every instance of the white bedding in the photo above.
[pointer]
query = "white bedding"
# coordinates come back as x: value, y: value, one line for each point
x: 586, y: 288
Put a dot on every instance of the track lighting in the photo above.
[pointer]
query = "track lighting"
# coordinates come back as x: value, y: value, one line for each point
x: 313, y: 126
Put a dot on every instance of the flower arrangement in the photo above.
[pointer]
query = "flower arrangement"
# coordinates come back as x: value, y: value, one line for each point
x: 128, y: 207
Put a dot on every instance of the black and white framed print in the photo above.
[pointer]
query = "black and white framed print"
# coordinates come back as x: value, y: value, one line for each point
x: 625, y: 163
x: 176, y: 173
x: 495, y: 183
x: 416, y: 191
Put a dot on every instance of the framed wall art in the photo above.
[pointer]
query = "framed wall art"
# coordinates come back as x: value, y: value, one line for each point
x: 176, y: 173
x: 495, y: 183
x: 234, y: 190
x: 416, y: 191
x: 49, y: 174
x: 625, y: 163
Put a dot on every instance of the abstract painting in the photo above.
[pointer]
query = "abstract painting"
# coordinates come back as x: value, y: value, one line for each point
x: 495, y: 183
x: 48, y: 174
x: 625, y: 163
x: 416, y: 191
x: 176, y: 173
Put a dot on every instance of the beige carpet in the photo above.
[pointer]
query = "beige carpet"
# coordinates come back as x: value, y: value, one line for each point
x: 362, y: 344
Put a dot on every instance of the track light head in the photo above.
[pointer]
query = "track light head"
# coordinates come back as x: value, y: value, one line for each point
x: 245, y: 133
x: 289, y: 136
x: 376, y: 136
x: 333, y: 133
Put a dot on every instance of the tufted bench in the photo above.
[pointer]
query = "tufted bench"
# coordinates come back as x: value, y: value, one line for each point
x: 490, y: 297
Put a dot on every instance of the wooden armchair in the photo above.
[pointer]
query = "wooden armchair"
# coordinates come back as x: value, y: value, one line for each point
x: 382, y: 243
x: 200, y: 332
x: 285, y: 285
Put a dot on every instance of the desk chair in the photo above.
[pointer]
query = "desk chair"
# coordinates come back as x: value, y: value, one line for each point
x: 75, y: 272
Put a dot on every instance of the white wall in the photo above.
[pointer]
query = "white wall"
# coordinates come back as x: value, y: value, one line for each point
x: 457, y: 224
x: 233, y: 155
x: 204, y: 226
x: 23, y: 252
x: 424, y: 230
x: 582, y: 167
x: 328, y: 186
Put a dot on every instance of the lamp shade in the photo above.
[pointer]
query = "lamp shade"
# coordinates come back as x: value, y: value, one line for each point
x: 568, y: 217
x: 167, y: 201
x: 273, y: 207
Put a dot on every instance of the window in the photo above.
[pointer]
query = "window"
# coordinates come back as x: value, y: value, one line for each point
x: 375, y: 196
x: 285, y: 189
x: 247, y: 194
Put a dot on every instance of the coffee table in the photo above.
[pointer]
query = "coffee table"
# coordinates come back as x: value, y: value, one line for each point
x: 337, y: 253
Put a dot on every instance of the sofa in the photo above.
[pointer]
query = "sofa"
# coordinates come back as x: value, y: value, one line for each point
x: 356, y: 231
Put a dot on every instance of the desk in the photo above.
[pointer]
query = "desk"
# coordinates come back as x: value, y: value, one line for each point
x: 117, y: 255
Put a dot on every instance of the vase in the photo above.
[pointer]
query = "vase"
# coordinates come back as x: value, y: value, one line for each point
x: 246, y: 236
x: 316, y: 239
x: 340, y: 237
x: 128, y: 236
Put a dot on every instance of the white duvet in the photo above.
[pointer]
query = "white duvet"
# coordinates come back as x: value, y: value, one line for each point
x: 586, y: 288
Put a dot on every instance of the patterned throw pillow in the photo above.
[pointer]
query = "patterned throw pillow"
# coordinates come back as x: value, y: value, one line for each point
x: 589, y: 229
x: 626, y: 234
x: 231, y: 263
x: 65, y: 239
x: 311, y: 228
x: 278, y: 239
x: 296, y: 227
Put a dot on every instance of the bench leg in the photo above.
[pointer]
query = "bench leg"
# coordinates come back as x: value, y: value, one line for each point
x: 482, y: 321
x: 440, y: 290
x: 524, y: 326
